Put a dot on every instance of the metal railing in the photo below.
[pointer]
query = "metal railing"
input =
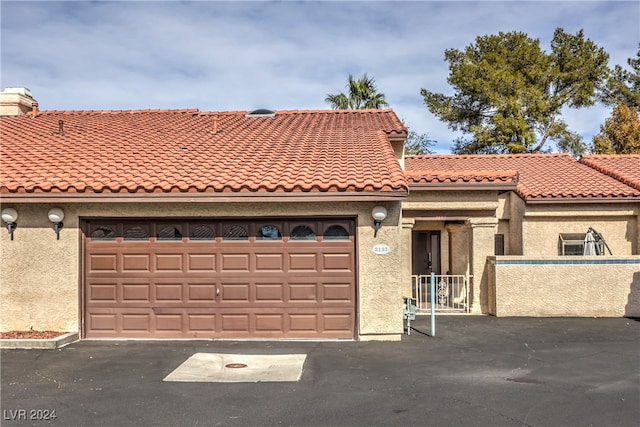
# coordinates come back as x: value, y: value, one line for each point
x: 451, y: 293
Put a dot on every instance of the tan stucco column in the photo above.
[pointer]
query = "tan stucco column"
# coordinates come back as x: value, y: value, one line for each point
x: 407, y: 256
x: 637, y: 248
x: 458, y: 248
x: 482, y: 241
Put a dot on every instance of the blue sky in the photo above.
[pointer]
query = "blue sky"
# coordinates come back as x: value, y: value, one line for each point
x: 215, y: 55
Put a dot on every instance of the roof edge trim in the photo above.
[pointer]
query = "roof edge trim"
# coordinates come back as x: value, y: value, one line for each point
x: 202, y: 198
x: 559, y: 200
x: 500, y: 186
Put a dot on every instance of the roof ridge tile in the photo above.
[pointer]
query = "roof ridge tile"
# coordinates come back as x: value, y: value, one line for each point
x: 133, y: 111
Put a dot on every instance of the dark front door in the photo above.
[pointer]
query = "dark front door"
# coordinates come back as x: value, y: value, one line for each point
x: 426, y: 252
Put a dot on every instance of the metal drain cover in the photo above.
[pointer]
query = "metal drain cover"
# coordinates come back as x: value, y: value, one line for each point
x: 235, y: 365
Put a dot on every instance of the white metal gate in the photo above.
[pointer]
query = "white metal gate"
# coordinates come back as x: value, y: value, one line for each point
x: 451, y: 292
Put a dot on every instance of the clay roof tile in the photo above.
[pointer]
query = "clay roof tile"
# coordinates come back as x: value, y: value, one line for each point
x: 178, y: 150
x: 539, y: 176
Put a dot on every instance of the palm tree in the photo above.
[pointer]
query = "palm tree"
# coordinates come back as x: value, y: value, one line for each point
x: 362, y: 95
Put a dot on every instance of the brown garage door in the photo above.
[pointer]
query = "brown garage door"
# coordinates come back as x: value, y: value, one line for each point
x: 220, y: 278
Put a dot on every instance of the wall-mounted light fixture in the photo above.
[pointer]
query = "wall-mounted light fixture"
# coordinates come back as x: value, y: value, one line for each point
x: 379, y: 213
x: 9, y: 215
x: 56, y: 215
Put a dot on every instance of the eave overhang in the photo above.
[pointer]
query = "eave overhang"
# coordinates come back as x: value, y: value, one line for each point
x: 581, y: 200
x: 466, y: 186
x: 188, y: 197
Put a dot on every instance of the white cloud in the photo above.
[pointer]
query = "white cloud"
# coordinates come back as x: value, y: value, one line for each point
x: 279, y: 55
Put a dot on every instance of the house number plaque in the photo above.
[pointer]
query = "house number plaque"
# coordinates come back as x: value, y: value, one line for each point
x: 381, y: 249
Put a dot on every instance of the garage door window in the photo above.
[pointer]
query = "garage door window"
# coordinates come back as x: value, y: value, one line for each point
x: 169, y: 233
x: 336, y: 232
x: 136, y: 232
x: 235, y: 232
x: 302, y: 232
x: 203, y: 232
x: 269, y: 232
x: 103, y: 233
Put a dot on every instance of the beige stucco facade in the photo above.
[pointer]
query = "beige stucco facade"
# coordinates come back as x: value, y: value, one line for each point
x: 618, y: 224
x: 468, y: 222
x: 41, y: 277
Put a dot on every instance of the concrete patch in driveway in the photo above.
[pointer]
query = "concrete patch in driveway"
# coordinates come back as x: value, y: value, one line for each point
x: 230, y: 368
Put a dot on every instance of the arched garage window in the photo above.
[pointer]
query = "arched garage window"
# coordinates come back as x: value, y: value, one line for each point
x: 203, y: 232
x: 103, y: 232
x: 336, y: 232
x: 136, y: 232
x: 302, y: 232
x: 169, y: 233
x: 235, y: 232
x: 269, y: 232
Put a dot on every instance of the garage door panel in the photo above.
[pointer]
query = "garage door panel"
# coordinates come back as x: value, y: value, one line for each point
x: 337, y: 262
x: 234, y: 322
x: 205, y: 262
x: 272, y: 263
x: 139, y: 263
x: 236, y: 262
x: 240, y: 280
x: 103, y: 263
x: 307, y: 292
x: 169, y: 322
x: 234, y: 292
x: 134, y: 292
x: 102, y: 292
x: 303, y: 262
x: 169, y: 292
x: 303, y: 322
x: 169, y: 262
x: 337, y: 322
x: 199, y: 292
x: 201, y: 322
x: 270, y: 322
x: 103, y: 322
x: 268, y: 293
x: 337, y: 292
x: 138, y: 322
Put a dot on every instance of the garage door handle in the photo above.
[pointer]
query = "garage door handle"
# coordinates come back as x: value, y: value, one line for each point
x: 217, y: 291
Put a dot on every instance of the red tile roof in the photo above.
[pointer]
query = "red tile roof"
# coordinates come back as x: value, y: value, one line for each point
x: 189, y: 151
x: 541, y: 177
x: 461, y: 176
x: 623, y: 167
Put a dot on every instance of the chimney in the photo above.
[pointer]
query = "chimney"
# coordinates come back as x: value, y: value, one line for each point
x: 15, y: 101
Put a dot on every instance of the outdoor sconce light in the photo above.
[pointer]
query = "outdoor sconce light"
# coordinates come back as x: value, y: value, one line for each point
x: 9, y: 215
x: 378, y: 213
x: 56, y: 215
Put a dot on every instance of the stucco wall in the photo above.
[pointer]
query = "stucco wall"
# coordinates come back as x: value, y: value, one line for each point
x: 39, y: 274
x: 40, y: 277
x: 431, y: 200
x: 564, y: 286
x: 618, y: 224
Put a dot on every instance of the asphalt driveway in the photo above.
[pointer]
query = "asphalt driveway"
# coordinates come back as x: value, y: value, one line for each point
x: 477, y: 371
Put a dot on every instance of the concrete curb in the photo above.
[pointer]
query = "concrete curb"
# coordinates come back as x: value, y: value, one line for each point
x: 44, y: 344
